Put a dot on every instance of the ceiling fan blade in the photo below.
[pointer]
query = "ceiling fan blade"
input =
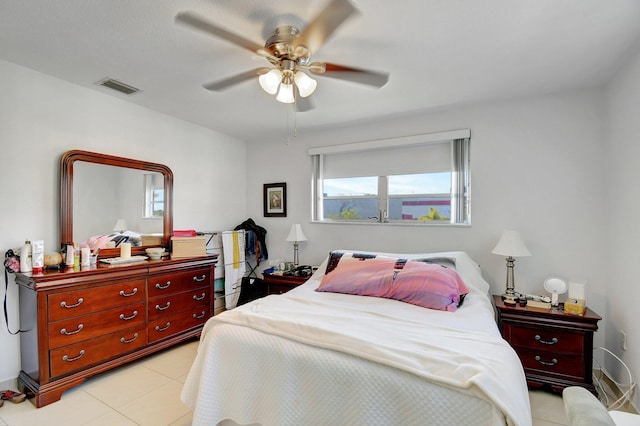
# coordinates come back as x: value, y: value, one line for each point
x: 220, y: 85
x: 356, y: 75
x: 325, y: 23
x: 194, y: 21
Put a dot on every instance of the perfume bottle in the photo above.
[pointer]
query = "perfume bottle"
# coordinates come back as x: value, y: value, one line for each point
x: 69, y: 256
x: 76, y: 255
x: 25, y: 257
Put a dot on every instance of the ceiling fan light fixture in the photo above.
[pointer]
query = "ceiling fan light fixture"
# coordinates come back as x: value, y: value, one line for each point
x: 306, y: 85
x: 285, y: 94
x: 288, y: 51
x: 270, y: 81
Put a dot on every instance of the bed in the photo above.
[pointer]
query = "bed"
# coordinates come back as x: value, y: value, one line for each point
x: 98, y: 242
x: 310, y: 357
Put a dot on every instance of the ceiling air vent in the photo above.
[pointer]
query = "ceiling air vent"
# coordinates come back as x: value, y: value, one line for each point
x: 119, y: 86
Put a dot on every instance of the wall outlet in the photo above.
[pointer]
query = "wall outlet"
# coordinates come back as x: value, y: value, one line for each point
x: 623, y: 340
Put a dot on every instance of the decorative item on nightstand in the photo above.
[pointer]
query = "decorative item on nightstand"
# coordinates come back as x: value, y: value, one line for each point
x: 296, y: 235
x: 555, y: 286
x: 576, y: 302
x: 510, y: 245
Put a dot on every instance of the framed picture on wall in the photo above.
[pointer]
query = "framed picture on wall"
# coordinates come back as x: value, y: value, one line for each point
x: 275, y: 199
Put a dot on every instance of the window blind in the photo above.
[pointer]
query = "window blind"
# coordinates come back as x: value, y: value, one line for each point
x: 430, y: 158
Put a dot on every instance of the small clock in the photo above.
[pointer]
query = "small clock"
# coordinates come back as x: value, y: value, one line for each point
x: 555, y: 286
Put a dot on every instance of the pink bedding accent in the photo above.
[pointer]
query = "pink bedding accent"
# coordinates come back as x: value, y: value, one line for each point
x: 97, y: 242
x: 428, y: 285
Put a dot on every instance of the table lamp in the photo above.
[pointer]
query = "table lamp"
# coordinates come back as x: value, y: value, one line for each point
x: 120, y: 226
x: 510, y: 245
x: 296, y: 235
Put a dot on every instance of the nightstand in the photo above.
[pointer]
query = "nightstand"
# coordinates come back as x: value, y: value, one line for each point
x: 278, y: 284
x: 555, y: 348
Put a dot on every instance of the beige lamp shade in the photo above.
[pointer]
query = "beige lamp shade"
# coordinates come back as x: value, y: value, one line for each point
x: 296, y: 234
x: 120, y: 226
x: 511, y: 244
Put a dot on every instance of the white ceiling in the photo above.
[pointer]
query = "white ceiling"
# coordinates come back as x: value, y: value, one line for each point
x: 438, y: 53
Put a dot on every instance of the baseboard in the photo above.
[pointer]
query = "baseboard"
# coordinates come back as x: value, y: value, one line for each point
x: 614, y: 392
x: 9, y: 384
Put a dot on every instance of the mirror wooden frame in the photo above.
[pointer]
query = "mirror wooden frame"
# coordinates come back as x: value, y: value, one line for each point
x: 66, y: 192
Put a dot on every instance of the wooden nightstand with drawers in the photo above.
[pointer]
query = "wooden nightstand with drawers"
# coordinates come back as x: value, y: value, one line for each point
x: 278, y: 284
x: 555, y: 348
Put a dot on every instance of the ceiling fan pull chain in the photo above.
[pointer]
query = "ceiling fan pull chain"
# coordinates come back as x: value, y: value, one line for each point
x: 295, y: 123
x: 295, y: 120
x: 288, y: 140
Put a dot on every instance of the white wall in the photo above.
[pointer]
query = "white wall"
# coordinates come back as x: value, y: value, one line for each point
x: 42, y: 117
x: 623, y: 244
x: 536, y: 166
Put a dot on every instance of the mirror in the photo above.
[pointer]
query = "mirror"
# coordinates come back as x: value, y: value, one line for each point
x: 98, y: 190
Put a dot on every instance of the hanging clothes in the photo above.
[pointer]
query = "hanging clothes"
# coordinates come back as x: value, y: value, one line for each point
x: 256, y: 244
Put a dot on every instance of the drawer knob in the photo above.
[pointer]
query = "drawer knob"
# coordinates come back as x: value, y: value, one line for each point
x: 545, y: 342
x: 133, y: 315
x: 163, y: 287
x: 66, y: 357
x: 123, y: 340
x: 166, y: 326
x: 69, y: 333
x: 134, y: 291
x: 199, y: 280
x: 553, y: 361
x: 162, y: 308
x: 196, y: 298
x: 78, y: 303
x: 196, y: 316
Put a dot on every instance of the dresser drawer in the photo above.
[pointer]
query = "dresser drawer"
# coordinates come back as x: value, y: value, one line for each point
x: 173, y: 324
x: 162, y: 285
x: 84, y: 327
x: 545, y: 338
x: 552, y: 363
x: 74, y: 303
x: 86, y: 353
x: 168, y: 305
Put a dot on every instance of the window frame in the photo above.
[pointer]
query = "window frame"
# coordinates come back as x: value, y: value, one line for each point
x: 460, y: 193
x: 150, y: 189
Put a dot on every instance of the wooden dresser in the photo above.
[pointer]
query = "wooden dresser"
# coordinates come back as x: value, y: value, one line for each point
x: 81, y: 323
x: 555, y: 348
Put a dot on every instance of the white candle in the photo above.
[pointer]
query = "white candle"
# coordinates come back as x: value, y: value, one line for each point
x: 125, y: 250
x: 576, y: 290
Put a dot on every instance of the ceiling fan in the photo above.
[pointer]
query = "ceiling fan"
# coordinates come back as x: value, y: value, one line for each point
x: 289, y: 52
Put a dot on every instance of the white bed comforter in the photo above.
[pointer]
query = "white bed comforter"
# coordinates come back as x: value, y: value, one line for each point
x: 417, y: 350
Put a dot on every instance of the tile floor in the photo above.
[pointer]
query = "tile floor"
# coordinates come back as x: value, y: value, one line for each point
x: 147, y: 392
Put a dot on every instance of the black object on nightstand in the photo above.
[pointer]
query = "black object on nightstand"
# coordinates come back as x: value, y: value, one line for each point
x: 555, y: 348
x: 278, y: 284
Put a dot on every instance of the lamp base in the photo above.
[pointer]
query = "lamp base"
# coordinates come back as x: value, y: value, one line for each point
x: 510, y: 298
x: 295, y: 254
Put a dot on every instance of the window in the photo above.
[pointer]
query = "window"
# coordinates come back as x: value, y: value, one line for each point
x: 153, y: 195
x: 420, y: 179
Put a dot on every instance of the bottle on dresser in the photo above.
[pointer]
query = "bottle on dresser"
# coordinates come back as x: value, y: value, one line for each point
x: 25, y: 257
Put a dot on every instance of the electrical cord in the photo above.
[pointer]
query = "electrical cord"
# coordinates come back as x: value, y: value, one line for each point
x: 597, y: 381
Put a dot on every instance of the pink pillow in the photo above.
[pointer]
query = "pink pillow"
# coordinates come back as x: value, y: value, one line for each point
x: 419, y: 283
